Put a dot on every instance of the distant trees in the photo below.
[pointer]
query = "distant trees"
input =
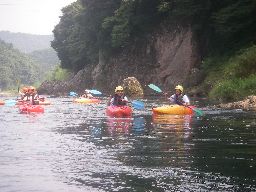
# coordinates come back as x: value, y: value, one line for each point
x: 16, y: 67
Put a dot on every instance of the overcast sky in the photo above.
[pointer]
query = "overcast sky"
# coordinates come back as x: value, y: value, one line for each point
x: 31, y: 16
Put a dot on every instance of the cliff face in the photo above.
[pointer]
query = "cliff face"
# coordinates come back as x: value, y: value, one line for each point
x: 166, y: 57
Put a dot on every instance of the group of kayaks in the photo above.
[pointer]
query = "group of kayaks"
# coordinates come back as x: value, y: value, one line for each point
x: 112, y: 111
x: 126, y: 111
x: 26, y: 106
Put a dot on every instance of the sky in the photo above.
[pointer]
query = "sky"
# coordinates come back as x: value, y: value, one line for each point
x: 31, y: 16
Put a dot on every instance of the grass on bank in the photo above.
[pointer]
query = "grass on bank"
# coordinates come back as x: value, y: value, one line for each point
x: 231, y: 78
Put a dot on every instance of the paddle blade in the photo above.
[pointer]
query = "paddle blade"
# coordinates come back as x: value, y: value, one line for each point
x: 198, y: 112
x: 72, y: 93
x: 10, y: 102
x: 138, y: 104
x: 155, y: 88
x: 95, y: 92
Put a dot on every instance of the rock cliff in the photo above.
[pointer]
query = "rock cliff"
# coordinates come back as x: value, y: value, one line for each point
x: 167, y: 57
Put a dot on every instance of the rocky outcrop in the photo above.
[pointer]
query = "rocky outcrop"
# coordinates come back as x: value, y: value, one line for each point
x: 166, y: 57
x: 248, y: 104
x: 132, y: 87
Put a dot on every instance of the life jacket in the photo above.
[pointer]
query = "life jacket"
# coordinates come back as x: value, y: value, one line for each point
x: 118, y: 100
x: 178, y: 99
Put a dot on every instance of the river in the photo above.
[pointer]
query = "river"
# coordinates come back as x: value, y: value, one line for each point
x: 75, y: 147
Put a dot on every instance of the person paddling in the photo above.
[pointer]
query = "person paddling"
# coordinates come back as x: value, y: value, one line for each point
x: 179, y: 98
x: 87, y: 94
x: 118, y: 99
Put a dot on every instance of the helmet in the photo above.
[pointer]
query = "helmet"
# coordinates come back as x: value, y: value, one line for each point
x: 24, y: 89
x: 119, y: 88
x: 31, y: 89
x: 179, y: 87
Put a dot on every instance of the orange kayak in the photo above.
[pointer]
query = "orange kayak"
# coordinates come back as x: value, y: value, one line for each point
x: 86, y: 100
x: 173, y: 110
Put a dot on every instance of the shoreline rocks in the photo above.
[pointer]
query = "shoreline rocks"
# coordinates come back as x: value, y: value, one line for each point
x: 248, y: 104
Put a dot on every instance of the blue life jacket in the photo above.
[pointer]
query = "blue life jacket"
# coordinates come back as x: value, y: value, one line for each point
x: 178, y: 99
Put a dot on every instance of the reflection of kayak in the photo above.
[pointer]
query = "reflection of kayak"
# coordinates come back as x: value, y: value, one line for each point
x: 173, y: 110
x: 86, y: 100
x: 175, y: 120
x: 119, y: 125
x: 31, y: 109
x: 119, y: 111
x: 1, y: 102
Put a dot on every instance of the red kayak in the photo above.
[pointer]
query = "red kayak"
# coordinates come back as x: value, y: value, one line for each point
x: 31, y: 109
x: 119, y: 111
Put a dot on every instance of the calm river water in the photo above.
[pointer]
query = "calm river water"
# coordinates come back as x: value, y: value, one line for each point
x: 74, y: 147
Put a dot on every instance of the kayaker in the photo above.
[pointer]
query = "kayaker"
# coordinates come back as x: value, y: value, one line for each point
x: 87, y: 94
x: 34, y: 97
x: 179, y: 98
x: 24, y: 94
x: 118, y: 99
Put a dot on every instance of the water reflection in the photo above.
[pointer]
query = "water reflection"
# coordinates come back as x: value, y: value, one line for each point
x: 172, y: 121
x: 116, y: 126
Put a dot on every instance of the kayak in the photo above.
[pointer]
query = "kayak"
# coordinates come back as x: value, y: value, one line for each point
x: 119, y: 111
x: 21, y: 102
x: 86, y: 100
x: 173, y: 110
x: 31, y: 109
x: 1, y: 102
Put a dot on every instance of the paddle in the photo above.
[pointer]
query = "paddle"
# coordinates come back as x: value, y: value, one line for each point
x: 10, y: 102
x: 95, y: 92
x: 197, y: 111
x: 156, y: 88
x: 73, y: 94
x: 138, y: 104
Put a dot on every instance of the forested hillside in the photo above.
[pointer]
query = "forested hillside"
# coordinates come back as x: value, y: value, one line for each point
x: 27, y: 43
x: 16, y: 67
x: 224, y: 30
x: 46, y: 58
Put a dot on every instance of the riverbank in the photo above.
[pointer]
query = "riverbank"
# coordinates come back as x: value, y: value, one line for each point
x: 7, y: 94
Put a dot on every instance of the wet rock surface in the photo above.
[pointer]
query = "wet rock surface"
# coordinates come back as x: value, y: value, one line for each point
x: 133, y: 87
x: 248, y: 104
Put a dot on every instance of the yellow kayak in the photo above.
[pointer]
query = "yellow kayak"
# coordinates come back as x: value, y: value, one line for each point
x: 86, y: 100
x: 173, y: 110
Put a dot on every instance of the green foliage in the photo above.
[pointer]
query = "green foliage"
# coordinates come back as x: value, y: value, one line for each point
x: 232, y: 78
x: 16, y: 66
x: 234, y: 89
x: 59, y: 74
x: 242, y: 65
